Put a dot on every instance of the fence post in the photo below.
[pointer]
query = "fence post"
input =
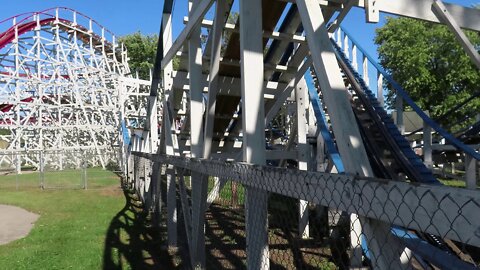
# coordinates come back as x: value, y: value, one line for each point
x: 18, y: 163
x: 470, y: 172
x: 84, y: 170
x: 16, y: 177
x: 42, y: 170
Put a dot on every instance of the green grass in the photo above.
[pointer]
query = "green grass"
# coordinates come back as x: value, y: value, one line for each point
x: 226, y: 192
x: 453, y: 183
x: 71, y: 230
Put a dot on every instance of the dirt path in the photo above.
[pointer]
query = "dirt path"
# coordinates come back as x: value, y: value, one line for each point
x: 15, y: 223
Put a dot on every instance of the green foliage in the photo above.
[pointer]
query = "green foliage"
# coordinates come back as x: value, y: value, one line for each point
x: 142, y: 50
x: 430, y: 64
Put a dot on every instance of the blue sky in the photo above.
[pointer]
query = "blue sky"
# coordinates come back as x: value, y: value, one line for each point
x: 127, y: 16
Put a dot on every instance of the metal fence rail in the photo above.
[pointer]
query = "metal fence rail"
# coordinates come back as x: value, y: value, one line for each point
x: 424, y: 221
x: 75, y: 169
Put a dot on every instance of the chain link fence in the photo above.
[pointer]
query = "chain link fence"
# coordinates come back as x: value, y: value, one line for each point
x: 57, y: 170
x: 314, y: 220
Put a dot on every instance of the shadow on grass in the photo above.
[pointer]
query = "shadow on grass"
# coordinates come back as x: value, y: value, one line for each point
x: 131, y: 243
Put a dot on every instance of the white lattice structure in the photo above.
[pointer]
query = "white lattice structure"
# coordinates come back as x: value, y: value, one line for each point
x: 64, y: 86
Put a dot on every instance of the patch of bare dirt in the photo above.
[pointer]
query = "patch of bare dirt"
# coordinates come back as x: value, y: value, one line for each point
x: 15, y: 223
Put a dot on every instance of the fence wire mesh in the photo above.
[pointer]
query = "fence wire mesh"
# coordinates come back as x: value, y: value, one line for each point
x: 315, y: 220
x: 67, y: 169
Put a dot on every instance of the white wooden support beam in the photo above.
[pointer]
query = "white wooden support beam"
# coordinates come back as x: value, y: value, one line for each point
x: 399, y: 110
x: 380, y: 97
x: 276, y: 53
x: 148, y: 184
x: 333, y: 88
x: 230, y: 27
x: 157, y: 194
x: 345, y: 128
x: 137, y: 170
x: 345, y: 46
x: 338, y: 20
x: 321, y: 157
x: 221, y: 9
x: 270, y: 155
x: 282, y: 97
x: 228, y: 86
x: 251, y: 54
x: 371, y: 11
x: 444, y: 16
x: 187, y: 215
x: 195, y: 19
x: 172, y: 218
x: 130, y: 168
x: 296, y: 60
x: 199, y: 182
x: 236, y: 63
x: 141, y: 179
x: 365, y: 70
x: 218, y: 185
x: 338, y: 39
x: 168, y: 140
x: 303, y: 151
x: 354, y: 57
x: 449, y: 147
x: 152, y: 120
x: 470, y: 172
x: 266, y: 34
x: 170, y: 174
x: 427, y: 145
x: 421, y: 9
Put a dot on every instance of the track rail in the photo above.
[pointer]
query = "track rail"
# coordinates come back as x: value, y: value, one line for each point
x: 381, y: 135
x: 404, y: 95
x: 26, y: 22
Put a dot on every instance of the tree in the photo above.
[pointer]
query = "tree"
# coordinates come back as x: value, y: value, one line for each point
x: 141, y: 52
x: 430, y: 64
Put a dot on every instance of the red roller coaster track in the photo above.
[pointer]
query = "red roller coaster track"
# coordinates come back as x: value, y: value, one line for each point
x: 24, y: 26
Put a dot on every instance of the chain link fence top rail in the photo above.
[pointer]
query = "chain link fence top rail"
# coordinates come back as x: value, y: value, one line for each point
x: 395, y: 212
